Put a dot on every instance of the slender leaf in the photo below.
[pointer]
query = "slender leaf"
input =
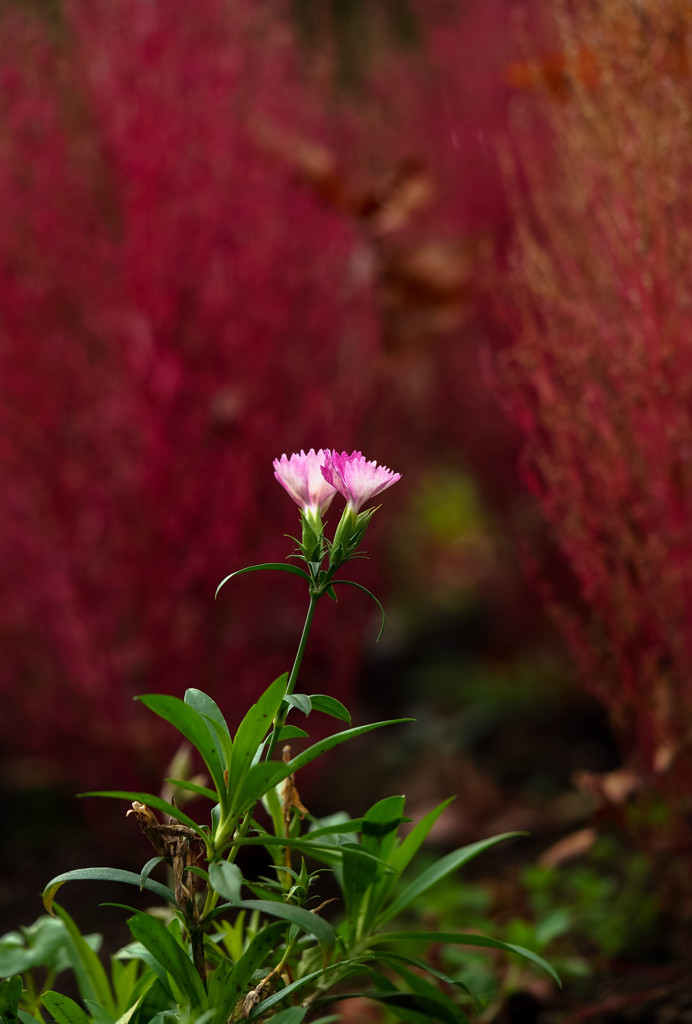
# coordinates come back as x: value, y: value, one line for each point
x: 465, y: 939
x: 193, y: 787
x: 226, y: 879
x: 421, y: 986
x: 290, y: 990
x: 278, y: 566
x: 330, y: 706
x: 264, y: 776
x: 380, y: 826
x: 300, y: 701
x: 193, y: 727
x: 154, y: 935
x: 152, y: 801
x: 292, y: 1015
x: 129, y: 1013
x: 10, y: 997
x: 358, y: 586
x: 411, y: 1006
x: 327, y: 853
x: 98, y: 1014
x: 63, y: 1009
x: 147, y: 870
x: 91, y: 977
x: 207, y: 707
x: 291, y: 732
x: 259, y: 780
x: 357, y: 874
x: 227, y: 987
x: 349, y: 827
x: 410, y: 845
x: 330, y: 742
x: 390, y: 957
x: 216, y: 723
x: 437, y: 871
x: 304, y: 919
x: 252, y: 731
x: 26, y: 1018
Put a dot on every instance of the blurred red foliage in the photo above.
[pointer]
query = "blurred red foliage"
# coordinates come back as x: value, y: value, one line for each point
x: 176, y: 311
x: 599, y: 377
x: 208, y: 259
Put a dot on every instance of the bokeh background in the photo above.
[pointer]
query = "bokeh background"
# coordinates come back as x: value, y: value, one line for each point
x: 454, y: 234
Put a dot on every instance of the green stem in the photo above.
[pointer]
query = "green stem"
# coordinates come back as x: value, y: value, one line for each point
x: 280, y: 719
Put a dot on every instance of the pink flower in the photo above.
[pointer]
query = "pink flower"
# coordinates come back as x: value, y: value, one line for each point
x: 356, y: 478
x: 301, y: 476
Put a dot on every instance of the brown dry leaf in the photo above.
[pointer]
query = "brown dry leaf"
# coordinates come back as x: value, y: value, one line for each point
x: 574, y: 845
x: 613, y: 788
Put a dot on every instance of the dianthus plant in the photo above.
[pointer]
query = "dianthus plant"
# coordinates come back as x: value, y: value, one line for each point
x: 287, y: 945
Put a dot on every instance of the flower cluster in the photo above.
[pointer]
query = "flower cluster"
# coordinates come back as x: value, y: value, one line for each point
x: 312, y: 479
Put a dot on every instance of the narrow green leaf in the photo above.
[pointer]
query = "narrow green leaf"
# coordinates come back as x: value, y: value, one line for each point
x: 437, y: 871
x: 300, y: 701
x: 381, y: 824
x: 147, y: 870
x: 152, y: 801
x: 292, y: 1015
x: 128, y: 1014
x: 210, y: 711
x: 290, y: 990
x: 464, y: 939
x: 193, y: 787
x: 411, y: 1006
x: 153, y: 934
x: 409, y: 846
x: 304, y: 919
x: 227, y: 987
x: 98, y: 1014
x: 103, y: 875
x: 390, y: 957
x: 252, y: 731
x: 267, y: 774
x: 334, y: 741
x: 330, y: 706
x: 349, y: 827
x: 277, y: 566
x: 91, y: 977
x: 26, y: 1018
x: 260, y: 779
x: 357, y: 874
x: 358, y: 586
x: 193, y: 727
x: 226, y: 879
x: 327, y: 854
x: 291, y: 732
x: 10, y: 996
x: 419, y: 984
x: 63, y: 1009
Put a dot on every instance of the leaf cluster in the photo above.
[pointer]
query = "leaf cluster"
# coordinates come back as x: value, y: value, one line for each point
x: 226, y: 946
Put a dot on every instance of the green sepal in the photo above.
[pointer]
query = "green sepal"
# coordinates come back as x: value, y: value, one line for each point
x: 358, y: 586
